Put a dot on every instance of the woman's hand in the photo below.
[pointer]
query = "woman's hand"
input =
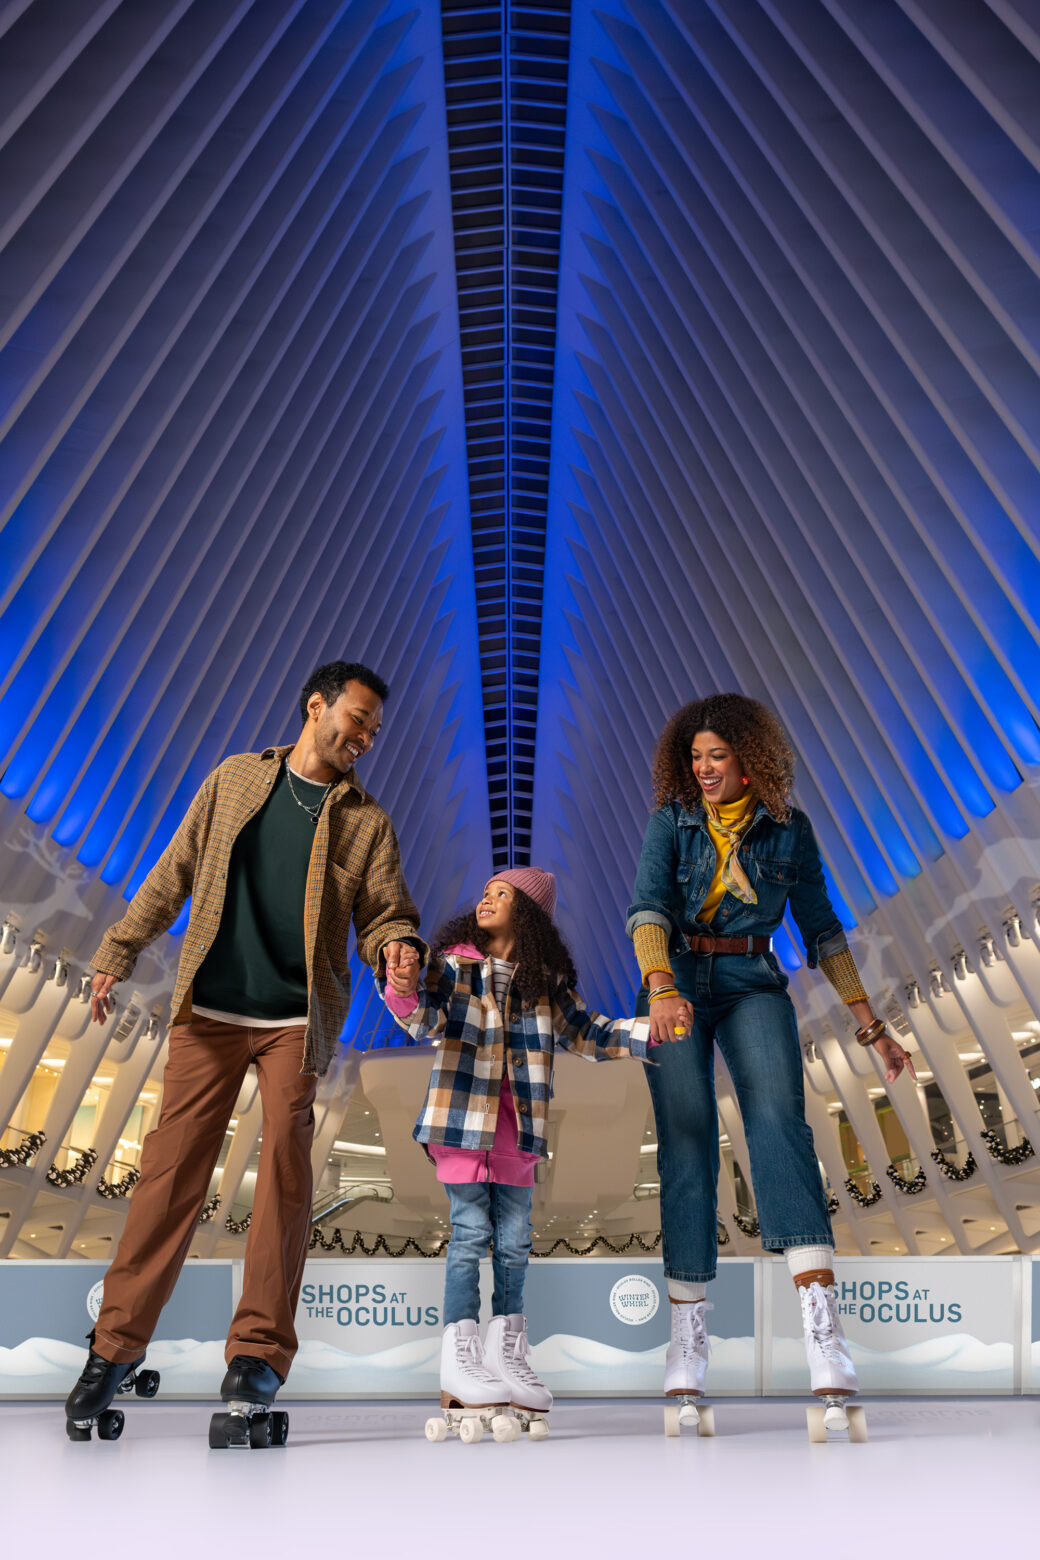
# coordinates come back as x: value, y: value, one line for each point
x: 893, y: 1058
x: 666, y: 1015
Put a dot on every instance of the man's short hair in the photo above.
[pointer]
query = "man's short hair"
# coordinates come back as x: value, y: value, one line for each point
x: 331, y: 679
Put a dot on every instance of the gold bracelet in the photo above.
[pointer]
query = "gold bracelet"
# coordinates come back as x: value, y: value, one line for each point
x: 662, y: 991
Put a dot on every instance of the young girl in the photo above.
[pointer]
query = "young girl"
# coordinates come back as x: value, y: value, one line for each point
x: 499, y: 998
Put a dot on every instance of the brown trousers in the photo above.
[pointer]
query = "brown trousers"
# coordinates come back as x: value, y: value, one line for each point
x: 207, y: 1064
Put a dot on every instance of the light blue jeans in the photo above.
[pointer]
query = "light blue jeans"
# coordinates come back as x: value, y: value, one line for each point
x: 482, y: 1211
x: 741, y: 1002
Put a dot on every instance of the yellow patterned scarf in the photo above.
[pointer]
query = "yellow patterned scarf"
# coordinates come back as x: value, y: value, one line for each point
x: 727, y: 824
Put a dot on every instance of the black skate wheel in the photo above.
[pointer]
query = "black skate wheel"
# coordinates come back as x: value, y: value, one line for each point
x: 77, y: 1432
x: 218, y: 1432
x: 110, y: 1424
x: 260, y: 1431
x: 147, y: 1384
x: 279, y: 1427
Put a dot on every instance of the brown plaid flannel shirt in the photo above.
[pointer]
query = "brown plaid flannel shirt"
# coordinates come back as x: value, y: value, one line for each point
x: 355, y: 870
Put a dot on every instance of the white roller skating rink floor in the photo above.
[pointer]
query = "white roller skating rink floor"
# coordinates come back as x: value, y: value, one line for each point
x: 941, y: 1475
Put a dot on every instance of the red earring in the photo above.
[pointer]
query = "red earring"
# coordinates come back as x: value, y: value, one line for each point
x: 745, y: 780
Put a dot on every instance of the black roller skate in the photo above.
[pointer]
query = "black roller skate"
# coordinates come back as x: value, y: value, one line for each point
x: 101, y: 1381
x: 249, y: 1389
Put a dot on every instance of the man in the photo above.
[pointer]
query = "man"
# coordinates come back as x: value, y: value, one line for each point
x: 278, y: 851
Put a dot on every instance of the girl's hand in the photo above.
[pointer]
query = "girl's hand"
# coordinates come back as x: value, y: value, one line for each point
x: 402, y: 968
x: 894, y: 1058
x: 665, y: 1015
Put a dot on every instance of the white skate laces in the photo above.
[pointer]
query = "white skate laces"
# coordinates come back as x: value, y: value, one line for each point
x: 830, y: 1363
x: 689, y: 1353
x: 515, y: 1346
x: 691, y: 1332
x: 469, y: 1360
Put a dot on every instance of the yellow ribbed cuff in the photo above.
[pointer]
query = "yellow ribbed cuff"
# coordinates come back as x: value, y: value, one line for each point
x: 840, y: 969
x: 651, y: 945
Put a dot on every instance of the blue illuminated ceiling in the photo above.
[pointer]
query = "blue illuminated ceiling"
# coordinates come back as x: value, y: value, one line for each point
x: 564, y: 364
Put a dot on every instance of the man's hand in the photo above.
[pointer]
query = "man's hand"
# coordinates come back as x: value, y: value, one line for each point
x: 100, y: 1003
x: 402, y: 967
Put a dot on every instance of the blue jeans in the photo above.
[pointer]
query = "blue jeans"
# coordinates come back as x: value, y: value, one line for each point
x: 482, y: 1211
x: 741, y: 1002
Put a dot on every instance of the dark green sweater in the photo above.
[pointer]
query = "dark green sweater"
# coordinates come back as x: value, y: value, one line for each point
x: 257, y: 964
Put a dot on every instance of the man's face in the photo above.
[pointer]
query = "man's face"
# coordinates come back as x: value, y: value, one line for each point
x: 346, y: 730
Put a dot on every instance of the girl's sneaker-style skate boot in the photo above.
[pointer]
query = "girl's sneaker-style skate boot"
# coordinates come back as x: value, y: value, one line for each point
x: 100, y: 1381
x: 832, y: 1375
x: 473, y: 1398
x: 686, y: 1368
x: 506, y: 1349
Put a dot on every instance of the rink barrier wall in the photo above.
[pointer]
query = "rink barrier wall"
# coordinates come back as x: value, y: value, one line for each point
x: 931, y: 1326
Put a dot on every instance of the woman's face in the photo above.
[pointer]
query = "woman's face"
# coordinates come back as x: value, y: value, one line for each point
x: 716, y: 768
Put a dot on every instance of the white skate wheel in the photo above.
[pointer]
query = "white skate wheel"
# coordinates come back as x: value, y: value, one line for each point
x: 502, y: 1428
x: 470, y: 1431
x: 857, y: 1423
x: 538, y: 1430
x: 671, y: 1419
x: 815, y: 1422
x: 436, y: 1430
x: 706, y: 1421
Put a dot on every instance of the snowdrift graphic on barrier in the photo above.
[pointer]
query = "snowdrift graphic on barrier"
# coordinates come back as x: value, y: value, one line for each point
x: 46, y: 1367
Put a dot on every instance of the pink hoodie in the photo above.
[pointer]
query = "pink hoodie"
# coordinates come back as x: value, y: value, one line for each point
x: 504, y: 1163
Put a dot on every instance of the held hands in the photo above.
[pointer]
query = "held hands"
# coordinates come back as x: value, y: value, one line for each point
x: 402, y: 968
x: 100, y: 1000
x: 667, y: 1013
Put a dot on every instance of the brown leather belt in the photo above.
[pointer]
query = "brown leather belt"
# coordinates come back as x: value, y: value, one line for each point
x: 704, y: 942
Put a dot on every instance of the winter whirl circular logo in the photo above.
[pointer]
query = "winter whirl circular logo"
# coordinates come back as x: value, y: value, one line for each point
x: 94, y: 1298
x: 634, y: 1299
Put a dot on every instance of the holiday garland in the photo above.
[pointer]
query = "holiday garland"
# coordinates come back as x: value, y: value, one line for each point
x: 911, y: 1187
x: 24, y: 1152
x: 863, y: 1199
x: 954, y: 1172
x: 1007, y: 1156
x: 85, y: 1162
x: 123, y: 1188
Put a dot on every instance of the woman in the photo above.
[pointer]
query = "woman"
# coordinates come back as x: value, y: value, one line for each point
x: 725, y: 855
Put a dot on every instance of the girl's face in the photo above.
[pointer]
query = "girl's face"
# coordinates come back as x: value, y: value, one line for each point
x: 495, y: 910
x: 716, y: 768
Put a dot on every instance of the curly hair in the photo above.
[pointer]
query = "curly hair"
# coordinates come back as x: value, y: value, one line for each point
x: 540, y: 952
x: 752, y: 731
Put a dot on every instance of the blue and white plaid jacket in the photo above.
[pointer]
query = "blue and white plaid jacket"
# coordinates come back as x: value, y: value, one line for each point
x: 477, y: 1043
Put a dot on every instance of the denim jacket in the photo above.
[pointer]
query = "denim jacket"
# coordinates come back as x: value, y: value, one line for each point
x: 782, y: 861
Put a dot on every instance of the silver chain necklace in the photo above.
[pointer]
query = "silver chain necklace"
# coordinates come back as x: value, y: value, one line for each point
x: 313, y: 813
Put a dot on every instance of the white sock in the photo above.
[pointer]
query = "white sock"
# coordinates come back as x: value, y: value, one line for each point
x: 678, y: 1289
x: 808, y: 1259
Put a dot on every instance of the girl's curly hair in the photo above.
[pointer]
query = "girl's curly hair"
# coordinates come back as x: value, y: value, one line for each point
x: 540, y: 952
x: 752, y: 731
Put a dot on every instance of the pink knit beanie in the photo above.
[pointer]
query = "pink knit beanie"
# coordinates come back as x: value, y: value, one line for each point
x: 537, y: 885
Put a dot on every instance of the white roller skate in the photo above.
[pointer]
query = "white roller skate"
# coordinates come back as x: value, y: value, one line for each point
x: 473, y: 1398
x: 505, y: 1350
x: 832, y: 1375
x: 686, y: 1369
